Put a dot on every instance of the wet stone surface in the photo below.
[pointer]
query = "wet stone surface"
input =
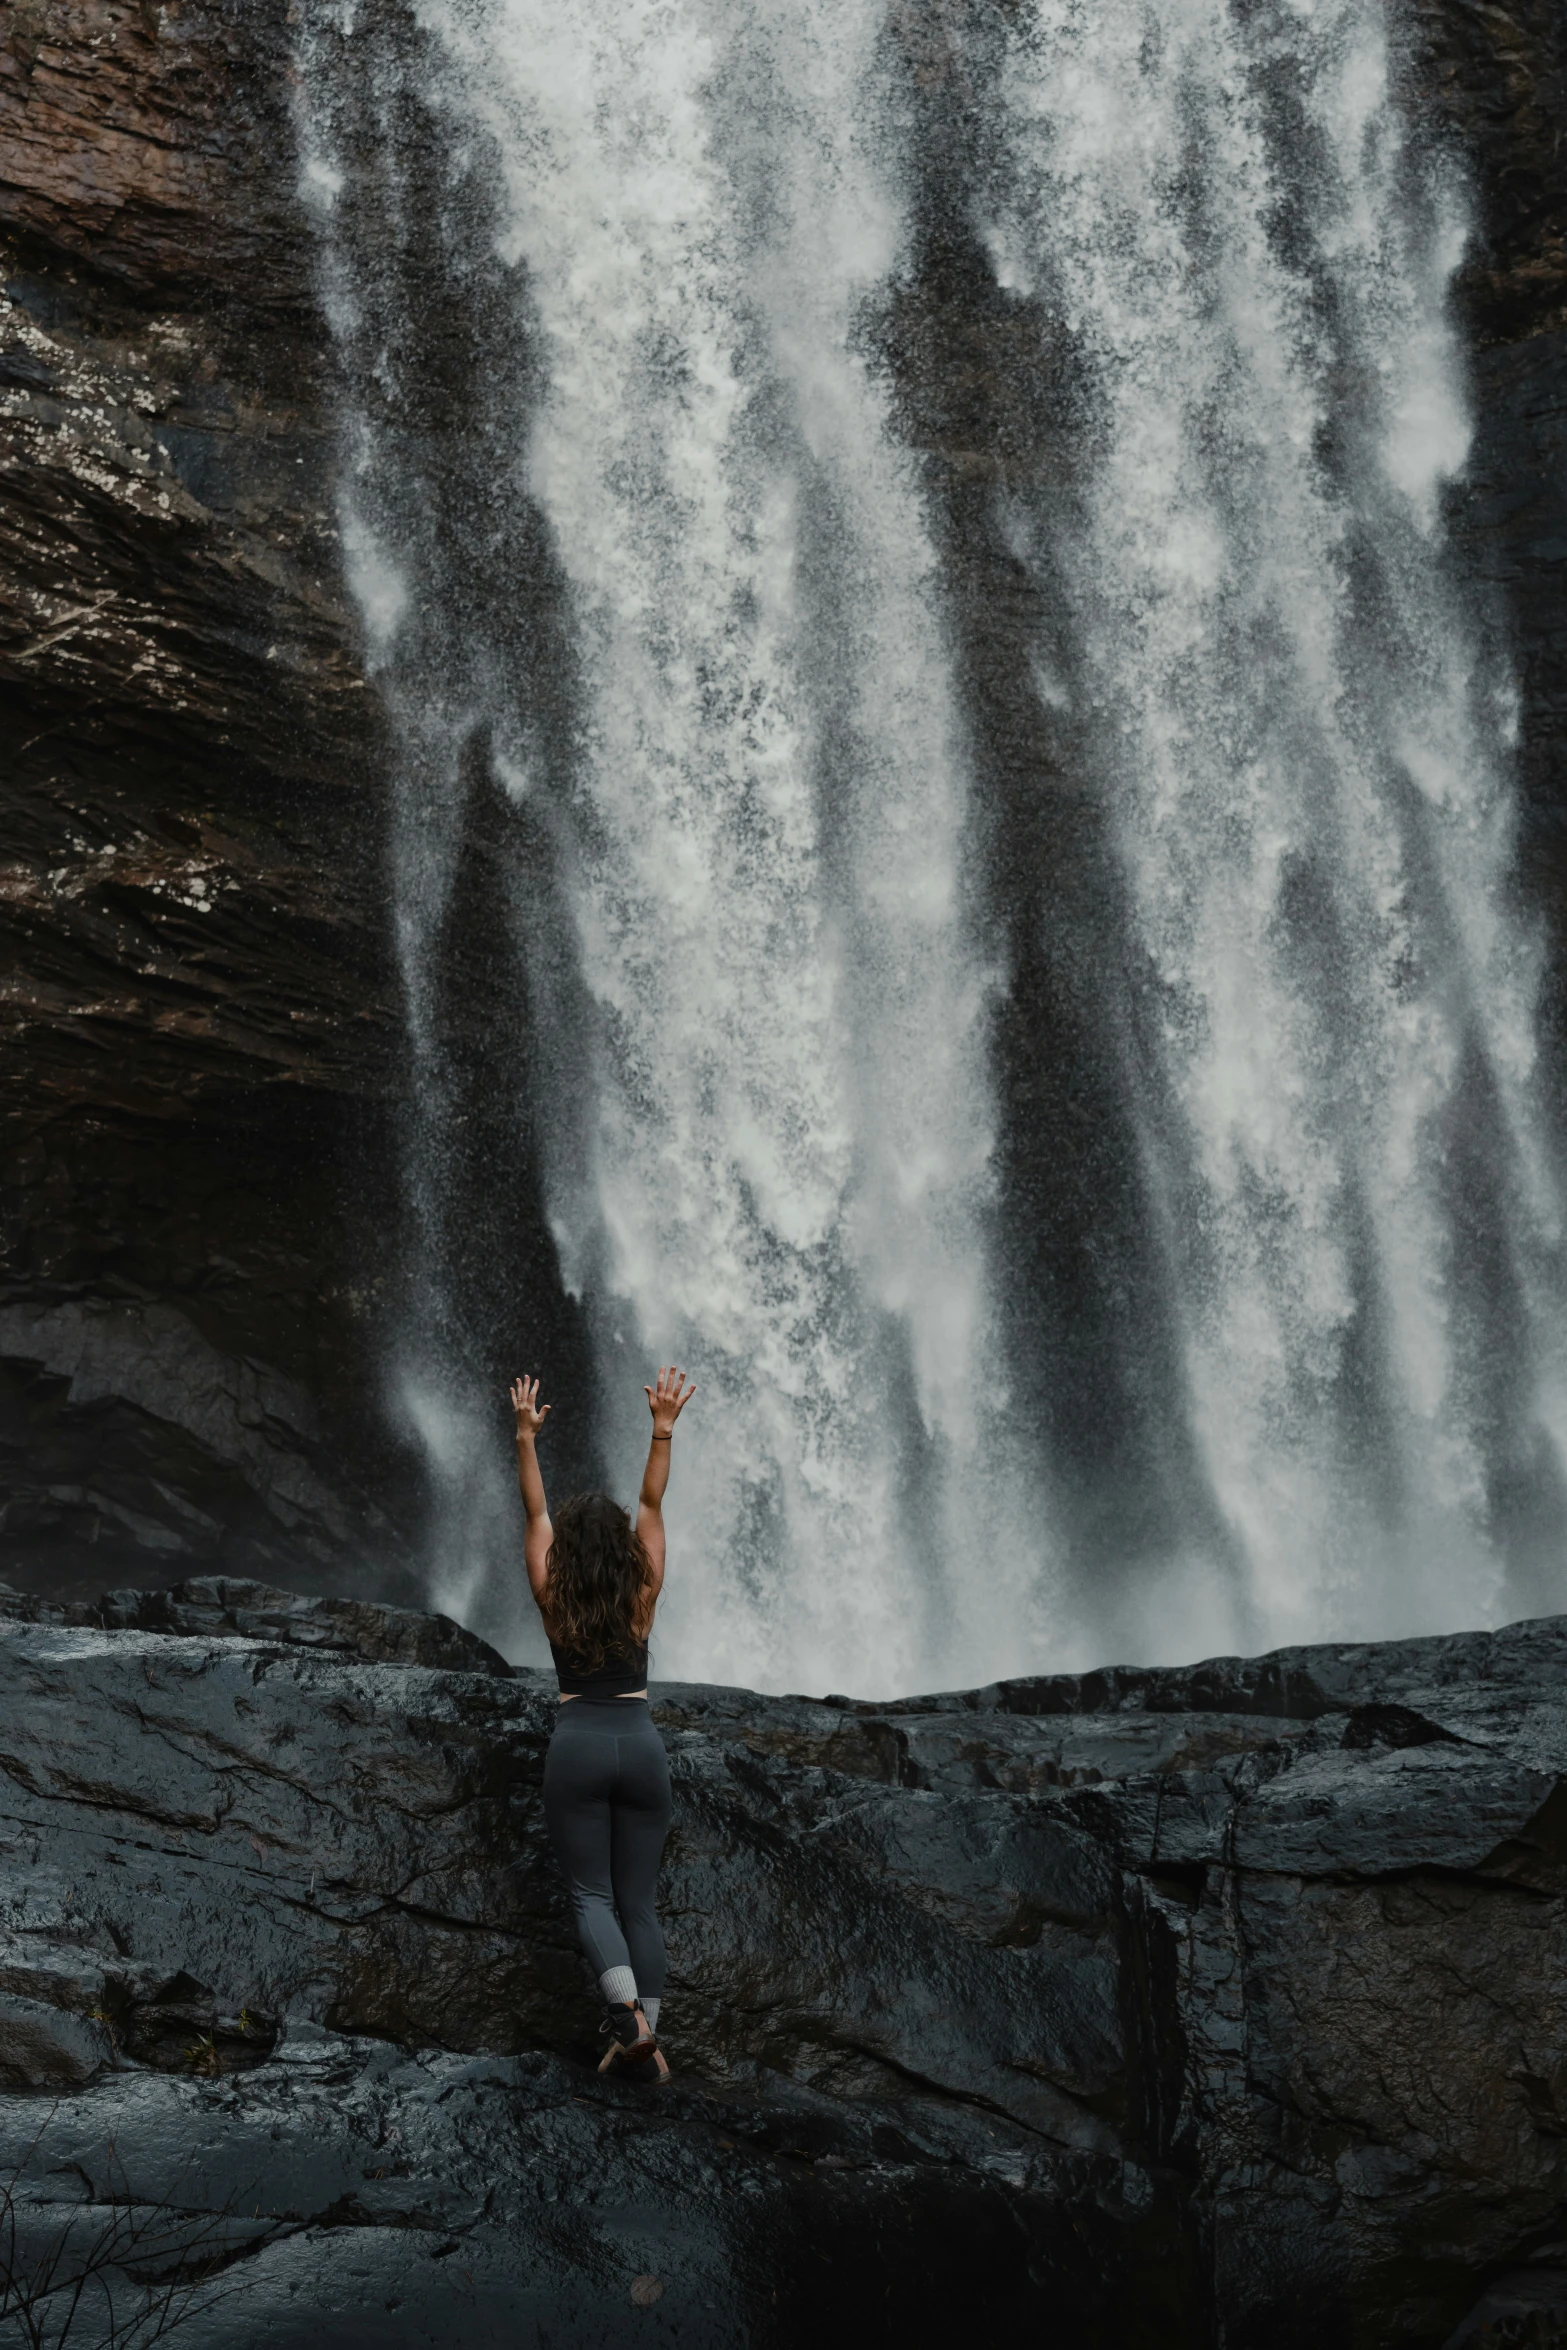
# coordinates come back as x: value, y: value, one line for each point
x: 1228, y: 2008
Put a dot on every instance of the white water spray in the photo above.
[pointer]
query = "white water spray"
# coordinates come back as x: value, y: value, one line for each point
x: 786, y: 1162
x: 683, y: 604
x: 1308, y: 766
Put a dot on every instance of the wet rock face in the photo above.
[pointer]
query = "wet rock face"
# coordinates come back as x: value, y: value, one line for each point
x: 223, y: 1604
x: 199, y: 1018
x: 1224, y: 2006
x: 196, y: 1013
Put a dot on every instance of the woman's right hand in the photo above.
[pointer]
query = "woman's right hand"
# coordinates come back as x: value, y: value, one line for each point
x: 531, y: 1414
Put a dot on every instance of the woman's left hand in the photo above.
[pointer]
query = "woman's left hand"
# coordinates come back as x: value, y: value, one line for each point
x: 531, y: 1414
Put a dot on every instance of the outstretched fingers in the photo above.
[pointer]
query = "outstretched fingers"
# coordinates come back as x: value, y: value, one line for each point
x: 525, y: 1403
x: 669, y: 1399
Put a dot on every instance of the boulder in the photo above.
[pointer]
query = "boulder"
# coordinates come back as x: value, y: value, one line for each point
x: 227, y: 1603
x: 46, y: 2047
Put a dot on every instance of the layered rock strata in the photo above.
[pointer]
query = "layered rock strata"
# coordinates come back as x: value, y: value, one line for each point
x: 1219, y: 2006
x: 196, y: 1011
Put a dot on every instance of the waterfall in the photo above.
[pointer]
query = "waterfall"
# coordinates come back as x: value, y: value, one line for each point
x: 691, y: 859
x: 769, y: 1159
x: 1287, y: 701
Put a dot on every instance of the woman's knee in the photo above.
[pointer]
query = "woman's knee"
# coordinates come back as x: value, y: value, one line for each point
x: 637, y: 1905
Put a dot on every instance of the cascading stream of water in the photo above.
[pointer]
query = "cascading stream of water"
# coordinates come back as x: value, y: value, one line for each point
x: 640, y: 550
x: 762, y: 822
x: 1307, y: 760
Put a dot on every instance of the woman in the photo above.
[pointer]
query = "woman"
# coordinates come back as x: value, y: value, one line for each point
x: 596, y: 1579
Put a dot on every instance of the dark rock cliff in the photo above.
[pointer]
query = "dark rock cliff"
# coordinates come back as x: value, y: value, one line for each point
x: 1496, y: 79
x: 198, y: 1016
x: 196, y: 1011
x: 1222, y: 2006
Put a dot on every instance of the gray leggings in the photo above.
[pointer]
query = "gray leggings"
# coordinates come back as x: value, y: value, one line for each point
x: 607, y: 1804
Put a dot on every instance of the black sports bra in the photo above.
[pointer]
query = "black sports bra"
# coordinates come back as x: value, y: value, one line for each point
x: 623, y: 1675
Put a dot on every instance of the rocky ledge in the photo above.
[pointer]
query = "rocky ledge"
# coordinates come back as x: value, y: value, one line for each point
x: 1215, y: 2006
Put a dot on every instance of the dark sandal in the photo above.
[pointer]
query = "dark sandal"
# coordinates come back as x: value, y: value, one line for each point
x: 631, y: 2042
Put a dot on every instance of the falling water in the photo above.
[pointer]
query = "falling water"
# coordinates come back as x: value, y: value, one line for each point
x: 651, y: 590
x: 1221, y: 211
x: 783, y: 1114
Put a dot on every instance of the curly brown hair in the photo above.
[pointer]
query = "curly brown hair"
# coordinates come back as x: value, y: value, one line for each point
x: 598, y: 1578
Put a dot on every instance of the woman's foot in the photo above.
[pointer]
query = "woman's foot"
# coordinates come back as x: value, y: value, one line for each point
x: 655, y: 2074
x: 631, y: 2038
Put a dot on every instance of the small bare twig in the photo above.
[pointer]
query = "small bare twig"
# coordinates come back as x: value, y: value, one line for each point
x: 118, y: 2273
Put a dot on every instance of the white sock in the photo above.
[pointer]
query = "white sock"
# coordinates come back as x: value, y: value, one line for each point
x: 650, y: 2010
x: 620, y: 1984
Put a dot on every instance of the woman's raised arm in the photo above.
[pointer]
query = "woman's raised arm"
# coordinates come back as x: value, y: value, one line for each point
x: 666, y: 1401
x: 531, y: 1416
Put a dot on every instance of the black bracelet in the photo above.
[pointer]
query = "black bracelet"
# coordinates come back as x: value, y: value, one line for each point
x: 669, y: 1439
